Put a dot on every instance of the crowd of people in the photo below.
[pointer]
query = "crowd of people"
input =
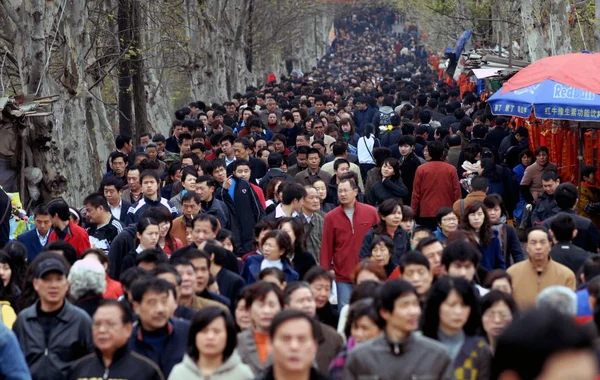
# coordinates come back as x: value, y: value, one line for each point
x: 359, y: 221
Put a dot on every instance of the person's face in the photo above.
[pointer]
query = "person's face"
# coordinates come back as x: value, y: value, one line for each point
x: 571, y: 364
x: 278, y: 146
x: 272, y: 118
x: 380, y: 254
x: 94, y: 214
x: 302, y: 299
x: 320, y: 148
x: 190, y: 209
x: 302, y: 141
x: 108, y: 330
x: 133, y: 179
x: 154, y: 310
x: 271, y: 105
x: 188, y: 280
x: 177, y: 130
x: 204, y: 191
x: 43, y: 223
x: 526, y: 160
x: 297, y: 117
x: 408, y: 225
x: 144, y: 140
x: 243, y: 172
x: 426, y: 154
x: 212, y: 339
x: 346, y: 127
x: 321, y: 289
x: 494, y: 213
x: 164, y: 228
x: 263, y: 311
x: 313, y: 161
x: 118, y: 166
x: 259, y: 144
x: 364, y: 329
x: 52, y: 287
x: 149, y: 238
x: 242, y: 315
x: 271, y: 250
x: 433, y: 252
x: 538, y: 245
x: 449, y: 223
x: 406, y: 313
x: 342, y: 169
x: 288, y: 229
x: 321, y: 190
x: 246, y: 114
x: 202, y: 231
x: 149, y: 186
x: 152, y: 153
x: 312, y: 202
x: 462, y: 269
x: 294, y: 347
x: 187, y: 162
x: 346, y: 194
x: 227, y: 148
x: 190, y: 183
x: 496, y: 318
x: 550, y: 186
x: 302, y: 160
x: 240, y: 151
x: 318, y: 130
x: 265, y: 157
x: 202, y: 273
x: 319, y: 106
x: 591, y: 178
x: 453, y: 313
x: 161, y: 146
x: 5, y: 273
x: 420, y: 277
x: 219, y: 174
x: 405, y: 150
x: 185, y: 146
x: 387, y: 170
x: 542, y: 158
x: 503, y: 285
x: 476, y: 219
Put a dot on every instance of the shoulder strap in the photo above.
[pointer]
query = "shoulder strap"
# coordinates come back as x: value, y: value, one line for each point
x: 462, y: 207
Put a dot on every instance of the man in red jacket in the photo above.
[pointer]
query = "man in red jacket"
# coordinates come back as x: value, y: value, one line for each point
x: 63, y: 229
x: 436, y: 185
x: 343, y: 233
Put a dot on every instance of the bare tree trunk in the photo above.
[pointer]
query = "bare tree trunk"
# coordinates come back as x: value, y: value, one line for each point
x: 137, y: 73
x: 546, y: 27
x: 124, y: 73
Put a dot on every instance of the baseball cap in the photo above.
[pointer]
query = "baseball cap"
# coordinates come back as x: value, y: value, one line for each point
x: 49, y: 265
x: 331, y: 110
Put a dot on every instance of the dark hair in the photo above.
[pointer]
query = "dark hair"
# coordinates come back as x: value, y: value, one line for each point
x: 493, y: 200
x: 150, y: 173
x: 59, y: 208
x: 440, y: 291
x: 541, y: 149
x: 436, y: 150
x: 587, y: 170
x: 413, y: 258
x: 391, y: 291
x: 316, y: 273
x: 292, y: 287
x: 69, y: 252
x: 291, y: 314
x: 97, y: 200
x: 191, y: 196
x: 143, y: 224
x: 272, y: 271
x: 220, y: 254
x: 485, y: 232
x: 494, y: 275
x: 201, y: 320
x: 407, y: 214
x: 298, y: 227
x: 442, y: 212
x: 562, y: 226
x: 131, y: 275
x: 527, y: 343
x: 149, y: 284
x: 102, y: 257
x: 152, y: 255
x: 479, y: 183
x: 167, y: 268
x: 363, y: 308
x: 426, y: 241
x: 460, y: 250
x: 591, y: 267
x: 339, y: 162
x: 495, y: 296
x: 214, y: 222
x: 292, y: 191
x: 108, y: 181
x: 239, y: 162
x: 550, y: 175
x: 386, y: 240
x: 369, y: 266
x: 566, y: 196
x: 386, y: 208
x: 126, y: 313
x: 395, y: 164
x: 283, y: 242
x: 121, y: 140
x: 114, y: 155
x: 259, y: 291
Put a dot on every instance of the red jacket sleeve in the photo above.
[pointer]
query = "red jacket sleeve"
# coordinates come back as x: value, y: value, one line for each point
x: 456, y: 185
x: 416, y: 196
x: 327, y: 243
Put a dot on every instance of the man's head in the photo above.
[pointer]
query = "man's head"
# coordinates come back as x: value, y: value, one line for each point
x: 50, y: 280
x: 97, y: 208
x: 544, y: 344
x: 312, y: 202
x: 293, y: 195
x: 152, y: 302
x: 111, y: 326
x: 320, y: 281
x: 150, y: 181
x: 204, y: 227
x: 406, y: 144
x: 550, y: 181
x: 521, y: 134
x: 185, y: 143
x: 347, y: 192
x: 566, y: 196
x: 460, y: 258
x: 416, y: 270
x: 279, y: 143
x: 242, y: 169
x: 588, y: 174
x: 191, y: 204
x: 111, y: 187
x: 398, y: 305
x: 124, y: 144
x: 298, y: 295
x: 186, y: 273
x: 205, y: 187
x: 294, y: 341
x: 436, y: 150
x: 432, y: 249
x: 42, y: 220
x: 118, y: 163
x: 218, y: 170
x: 479, y: 183
x: 133, y: 178
x: 340, y: 149
x: 313, y: 159
x: 562, y: 228
x: 59, y: 212
x: 341, y: 166
x: 541, y: 155
x: 227, y: 144
x: 538, y: 245
x: 242, y: 148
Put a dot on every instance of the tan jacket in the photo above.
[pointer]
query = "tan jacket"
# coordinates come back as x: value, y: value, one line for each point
x: 527, y: 283
x: 178, y: 230
x: 474, y: 196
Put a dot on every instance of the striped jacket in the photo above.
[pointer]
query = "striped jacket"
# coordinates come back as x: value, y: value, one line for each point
x: 137, y: 209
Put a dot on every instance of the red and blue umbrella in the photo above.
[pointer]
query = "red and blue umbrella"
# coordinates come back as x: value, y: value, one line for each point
x: 565, y: 87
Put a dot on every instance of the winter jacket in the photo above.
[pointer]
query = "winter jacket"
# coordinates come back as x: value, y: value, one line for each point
x: 13, y: 362
x: 383, y: 117
x: 342, y: 239
x: 390, y: 137
x: 274, y: 173
x: 252, y: 269
x: 363, y: 117
x: 177, y: 203
x: 137, y: 209
x: 244, y: 211
x: 492, y: 256
x: 174, y: 348
x: 436, y: 185
x: 121, y: 245
x: 69, y: 340
x: 126, y: 365
x: 76, y: 236
x: 302, y: 262
x: 415, y: 357
x: 387, y: 189
x: 218, y: 208
x: 248, y: 352
x: 232, y: 368
x: 587, y: 232
x: 401, y: 244
x: 495, y: 137
x: 533, y: 179
x: 330, y: 345
x: 408, y: 169
x: 107, y: 233
x: 545, y: 207
x: 569, y: 255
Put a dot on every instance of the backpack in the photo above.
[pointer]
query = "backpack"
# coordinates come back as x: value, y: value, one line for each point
x: 385, y: 118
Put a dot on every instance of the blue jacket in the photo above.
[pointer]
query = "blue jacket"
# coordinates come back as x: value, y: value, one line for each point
x: 401, y: 245
x: 492, y: 256
x: 32, y: 243
x: 13, y: 362
x: 174, y: 349
x: 363, y: 117
x: 252, y: 269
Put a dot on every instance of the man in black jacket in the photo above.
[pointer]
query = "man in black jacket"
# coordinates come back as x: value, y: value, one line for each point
x: 564, y: 252
x: 242, y: 151
x: 111, y: 329
x: 275, y: 162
